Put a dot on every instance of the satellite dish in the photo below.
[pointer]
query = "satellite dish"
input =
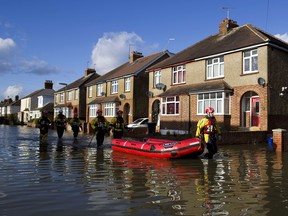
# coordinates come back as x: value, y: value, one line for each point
x: 122, y: 96
x: 102, y: 93
x: 149, y: 94
x: 160, y: 86
x: 261, y: 81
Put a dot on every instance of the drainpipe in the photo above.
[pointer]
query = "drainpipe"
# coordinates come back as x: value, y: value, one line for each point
x: 189, y: 114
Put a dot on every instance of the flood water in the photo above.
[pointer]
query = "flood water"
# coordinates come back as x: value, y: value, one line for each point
x: 72, y: 178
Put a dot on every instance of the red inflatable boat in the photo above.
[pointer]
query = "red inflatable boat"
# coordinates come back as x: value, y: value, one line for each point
x: 159, y: 148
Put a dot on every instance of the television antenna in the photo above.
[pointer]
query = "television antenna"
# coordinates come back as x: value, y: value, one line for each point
x: 227, y: 9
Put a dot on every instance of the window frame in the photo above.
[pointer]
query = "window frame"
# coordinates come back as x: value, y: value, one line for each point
x: 251, y: 59
x: 167, y: 103
x: 99, y: 89
x: 157, y: 77
x: 221, y: 105
x: 215, y: 69
x: 177, y: 71
x: 114, y: 86
x: 127, y: 84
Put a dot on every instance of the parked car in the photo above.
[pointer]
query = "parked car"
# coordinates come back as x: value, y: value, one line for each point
x: 141, y: 122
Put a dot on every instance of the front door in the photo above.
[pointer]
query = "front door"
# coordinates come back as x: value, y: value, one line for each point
x: 255, y: 111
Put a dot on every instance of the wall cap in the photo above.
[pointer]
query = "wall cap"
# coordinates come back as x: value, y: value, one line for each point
x: 279, y: 130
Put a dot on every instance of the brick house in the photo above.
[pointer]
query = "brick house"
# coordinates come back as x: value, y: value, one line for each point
x: 239, y: 72
x: 72, y: 97
x: 125, y: 87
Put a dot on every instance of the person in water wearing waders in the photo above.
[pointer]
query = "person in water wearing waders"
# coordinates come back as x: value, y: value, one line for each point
x: 209, y: 132
x: 75, y: 124
x: 44, y: 124
x: 60, y: 121
x: 117, y: 125
x: 100, y: 125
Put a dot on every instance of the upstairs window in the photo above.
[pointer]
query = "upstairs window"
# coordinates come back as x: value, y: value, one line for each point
x: 157, y: 77
x: 215, y: 67
x: 62, y: 98
x: 69, y: 95
x: 179, y: 74
x: 114, y: 87
x: 127, y: 84
x: 90, y: 93
x: 250, y: 61
x: 76, y: 96
x: 99, y: 89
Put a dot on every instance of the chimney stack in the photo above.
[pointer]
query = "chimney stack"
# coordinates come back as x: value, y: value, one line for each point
x: 135, y: 55
x: 89, y: 71
x: 48, y: 84
x: 226, y: 25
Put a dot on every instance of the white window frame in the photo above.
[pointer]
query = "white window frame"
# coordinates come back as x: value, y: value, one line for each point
x: 99, y: 89
x: 250, y: 61
x: 93, y: 110
x: 40, y: 101
x: 179, y: 74
x: 219, y: 101
x: 69, y: 95
x: 76, y: 94
x: 114, y: 87
x: 127, y: 84
x: 171, y: 102
x: 90, y: 91
x: 157, y: 77
x: 110, y: 109
x: 215, y: 67
x: 62, y: 97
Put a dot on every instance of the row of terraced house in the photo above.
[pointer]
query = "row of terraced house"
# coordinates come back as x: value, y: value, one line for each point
x: 241, y: 72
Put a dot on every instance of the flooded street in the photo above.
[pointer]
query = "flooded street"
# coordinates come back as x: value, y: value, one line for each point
x: 72, y: 178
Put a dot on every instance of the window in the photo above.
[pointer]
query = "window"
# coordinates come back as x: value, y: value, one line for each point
x: 127, y: 84
x: 157, y: 77
x: 220, y: 101
x: 76, y: 96
x: 110, y: 109
x: 62, y: 97
x: 40, y: 101
x: 215, y: 67
x: 90, y: 93
x: 179, y: 74
x: 93, y: 110
x: 69, y: 95
x: 170, y: 105
x: 114, y: 87
x: 250, y: 61
x: 99, y: 89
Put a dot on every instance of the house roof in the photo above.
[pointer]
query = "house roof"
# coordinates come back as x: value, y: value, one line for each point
x: 237, y: 38
x: 196, y: 88
x: 105, y: 100
x: 41, y: 92
x: 79, y: 82
x: 132, y: 68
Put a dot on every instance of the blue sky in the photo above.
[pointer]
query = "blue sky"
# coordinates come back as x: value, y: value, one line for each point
x: 58, y: 39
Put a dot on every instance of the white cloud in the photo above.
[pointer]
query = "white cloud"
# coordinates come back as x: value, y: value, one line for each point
x: 37, y: 67
x: 6, y: 44
x: 112, y: 50
x: 283, y: 37
x: 12, y: 91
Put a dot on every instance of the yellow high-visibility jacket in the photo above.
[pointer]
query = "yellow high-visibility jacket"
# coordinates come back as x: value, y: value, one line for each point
x: 207, y: 126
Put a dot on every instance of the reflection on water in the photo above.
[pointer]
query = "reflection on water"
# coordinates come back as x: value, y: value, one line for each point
x: 71, y: 178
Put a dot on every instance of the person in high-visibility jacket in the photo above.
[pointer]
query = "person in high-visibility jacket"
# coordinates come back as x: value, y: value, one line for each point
x: 44, y: 124
x: 117, y: 125
x: 75, y: 123
x: 100, y: 125
x: 209, y: 131
x: 60, y: 121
